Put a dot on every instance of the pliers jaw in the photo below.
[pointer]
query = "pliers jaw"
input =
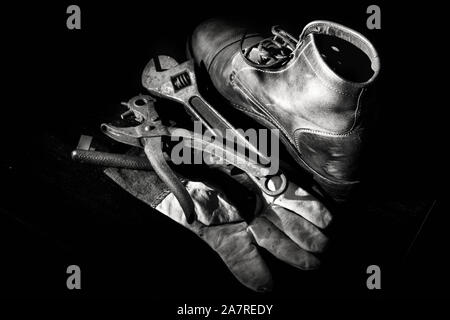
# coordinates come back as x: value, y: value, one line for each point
x: 143, y: 110
x: 147, y: 134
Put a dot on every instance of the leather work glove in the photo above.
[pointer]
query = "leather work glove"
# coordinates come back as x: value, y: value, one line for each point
x: 235, y: 218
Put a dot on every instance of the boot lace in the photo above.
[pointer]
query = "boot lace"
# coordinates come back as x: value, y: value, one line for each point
x: 271, y: 52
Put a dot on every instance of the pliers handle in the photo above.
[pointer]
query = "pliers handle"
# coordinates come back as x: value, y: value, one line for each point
x: 148, y: 135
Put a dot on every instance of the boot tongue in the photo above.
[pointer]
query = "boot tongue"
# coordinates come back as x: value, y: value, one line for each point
x: 271, y: 52
x: 267, y: 54
x: 261, y: 57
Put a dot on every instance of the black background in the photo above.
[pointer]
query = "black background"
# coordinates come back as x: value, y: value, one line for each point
x: 62, y: 83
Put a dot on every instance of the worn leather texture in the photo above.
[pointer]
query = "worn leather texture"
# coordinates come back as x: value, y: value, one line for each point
x: 316, y: 110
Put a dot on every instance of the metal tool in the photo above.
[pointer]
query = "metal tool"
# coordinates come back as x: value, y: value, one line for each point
x: 148, y: 135
x: 165, y: 78
x: 84, y: 153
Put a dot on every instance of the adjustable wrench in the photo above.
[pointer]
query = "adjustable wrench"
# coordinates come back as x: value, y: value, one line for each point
x: 164, y: 77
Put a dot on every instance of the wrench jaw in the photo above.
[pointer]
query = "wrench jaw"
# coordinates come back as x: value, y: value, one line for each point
x: 155, y: 74
x: 166, y: 78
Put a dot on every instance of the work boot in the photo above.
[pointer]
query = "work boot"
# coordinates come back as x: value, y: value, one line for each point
x: 309, y: 88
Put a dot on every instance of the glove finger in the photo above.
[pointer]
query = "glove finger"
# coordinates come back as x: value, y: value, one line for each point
x: 298, y: 229
x: 304, y: 204
x: 231, y: 241
x: 234, y: 245
x: 268, y: 236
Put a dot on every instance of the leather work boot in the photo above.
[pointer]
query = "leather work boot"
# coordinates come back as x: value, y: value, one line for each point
x: 309, y: 88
